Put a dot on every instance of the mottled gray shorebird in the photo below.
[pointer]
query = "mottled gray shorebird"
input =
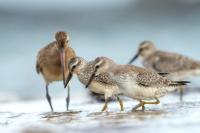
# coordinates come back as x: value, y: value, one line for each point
x: 102, y: 84
x: 135, y: 82
x: 52, y: 62
x: 178, y: 66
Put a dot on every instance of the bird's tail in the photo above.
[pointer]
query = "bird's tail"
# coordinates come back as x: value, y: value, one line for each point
x: 174, y: 85
x: 179, y: 83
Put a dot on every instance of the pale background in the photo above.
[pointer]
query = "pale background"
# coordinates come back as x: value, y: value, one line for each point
x: 110, y: 28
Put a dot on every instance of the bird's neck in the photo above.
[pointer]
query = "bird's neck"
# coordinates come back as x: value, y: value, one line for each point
x: 147, y: 55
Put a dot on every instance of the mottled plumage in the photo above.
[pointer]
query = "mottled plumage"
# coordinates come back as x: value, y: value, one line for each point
x: 135, y: 82
x: 102, y: 84
x: 132, y: 77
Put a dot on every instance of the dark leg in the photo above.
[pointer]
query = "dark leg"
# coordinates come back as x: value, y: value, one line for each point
x: 105, y: 105
x: 120, y: 103
x: 48, y: 97
x: 137, y: 106
x: 68, y: 98
x: 143, y: 107
x: 181, y: 94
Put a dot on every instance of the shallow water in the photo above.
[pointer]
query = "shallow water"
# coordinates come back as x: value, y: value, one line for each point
x: 170, y: 116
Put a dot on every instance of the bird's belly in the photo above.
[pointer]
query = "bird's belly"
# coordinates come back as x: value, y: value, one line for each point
x: 143, y: 93
x: 53, y: 75
x: 103, y: 88
x: 184, y: 75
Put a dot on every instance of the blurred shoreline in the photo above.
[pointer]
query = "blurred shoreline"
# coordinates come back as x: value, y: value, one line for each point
x: 98, y: 28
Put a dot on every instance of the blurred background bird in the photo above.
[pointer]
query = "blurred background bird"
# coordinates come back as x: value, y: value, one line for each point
x: 176, y: 66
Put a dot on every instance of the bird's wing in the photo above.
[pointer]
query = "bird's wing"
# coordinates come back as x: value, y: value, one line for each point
x: 104, y: 78
x: 41, y: 56
x: 170, y: 62
x: 149, y: 78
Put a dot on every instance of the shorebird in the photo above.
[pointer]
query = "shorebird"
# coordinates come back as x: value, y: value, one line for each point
x: 180, y: 67
x: 52, y: 63
x: 135, y: 82
x: 102, y: 84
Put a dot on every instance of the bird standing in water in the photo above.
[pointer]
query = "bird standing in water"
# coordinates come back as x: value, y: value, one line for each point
x: 178, y: 66
x: 52, y: 63
x: 135, y: 82
x: 102, y: 84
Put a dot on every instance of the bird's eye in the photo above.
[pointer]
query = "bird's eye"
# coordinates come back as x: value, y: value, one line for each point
x: 144, y: 48
x: 73, y: 67
x: 97, y: 66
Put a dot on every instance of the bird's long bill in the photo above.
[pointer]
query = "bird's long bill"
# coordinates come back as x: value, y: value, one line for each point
x: 67, y: 82
x: 91, y: 78
x: 70, y: 75
x: 134, y: 58
x: 62, y: 59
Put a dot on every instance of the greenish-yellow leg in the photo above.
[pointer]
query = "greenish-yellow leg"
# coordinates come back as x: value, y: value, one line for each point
x: 142, y: 104
x: 120, y: 103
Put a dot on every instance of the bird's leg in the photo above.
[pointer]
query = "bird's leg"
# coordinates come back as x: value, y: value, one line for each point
x: 68, y: 98
x: 105, y: 105
x: 120, y: 103
x: 143, y: 107
x: 48, y: 97
x: 143, y: 103
x: 138, y: 106
x: 181, y: 93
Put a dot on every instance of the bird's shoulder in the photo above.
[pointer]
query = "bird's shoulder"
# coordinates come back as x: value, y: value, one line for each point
x: 171, y: 62
x: 47, y: 50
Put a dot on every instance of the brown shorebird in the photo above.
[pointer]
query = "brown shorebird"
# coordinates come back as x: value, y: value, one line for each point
x: 52, y: 62
x: 180, y: 67
x: 135, y: 82
x: 102, y: 84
